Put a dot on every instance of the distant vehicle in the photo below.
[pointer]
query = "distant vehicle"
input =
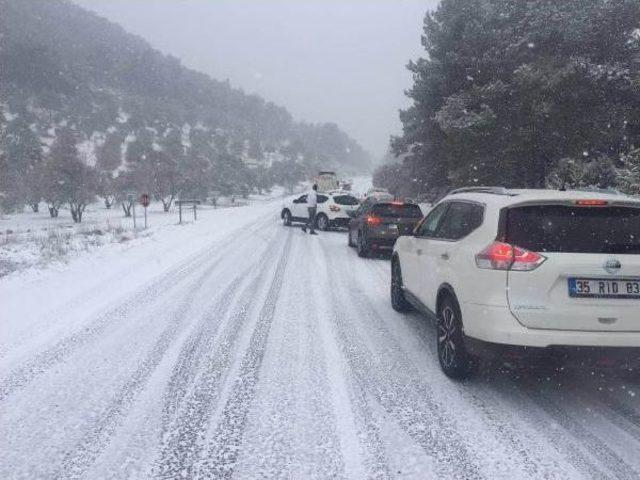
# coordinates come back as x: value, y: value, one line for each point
x: 376, y: 226
x: 327, y: 181
x: 346, y: 185
x: 333, y: 210
x: 375, y: 192
x: 525, y: 275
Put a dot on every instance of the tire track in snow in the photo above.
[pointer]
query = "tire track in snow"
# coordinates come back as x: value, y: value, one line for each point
x: 142, y: 299
x: 195, y: 384
x: 88, y: 296
x: 613, y: 408
x: 191, y: 355
x: 198, y: 347
x: 367, y: 431
x: 293, y: 430
x: 412, y: 405
x: 223, y: 448
x: 76, y: 461
x: 594, y: 445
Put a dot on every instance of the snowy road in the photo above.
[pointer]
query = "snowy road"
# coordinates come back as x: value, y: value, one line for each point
x: 246, y: 349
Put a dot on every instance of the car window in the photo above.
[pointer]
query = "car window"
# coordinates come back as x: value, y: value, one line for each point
x: 405, y: 210
x: 302, y: 199
x: 559, y: 228
x: 461, y: 219
x: 322, y: 198
x: 430, y: 224
x: 346, y: 200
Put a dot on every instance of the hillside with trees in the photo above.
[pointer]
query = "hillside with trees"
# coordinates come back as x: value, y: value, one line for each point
x: 532, y: 93
x: 89, y: 110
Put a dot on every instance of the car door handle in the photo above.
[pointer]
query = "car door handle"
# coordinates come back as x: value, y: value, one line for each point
x: 444, y: 256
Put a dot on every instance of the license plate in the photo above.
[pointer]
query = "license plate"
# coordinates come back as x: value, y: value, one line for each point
x: 393, y: 227
x: 604, y: 287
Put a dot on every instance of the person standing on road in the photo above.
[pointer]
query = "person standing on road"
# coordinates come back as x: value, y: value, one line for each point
x: 312, y: 206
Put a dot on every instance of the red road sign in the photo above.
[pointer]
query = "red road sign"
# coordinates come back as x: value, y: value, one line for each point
x: 145, y: 200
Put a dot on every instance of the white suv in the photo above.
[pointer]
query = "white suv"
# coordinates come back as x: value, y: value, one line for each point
x: 333, y: 209
x: 521, y: 273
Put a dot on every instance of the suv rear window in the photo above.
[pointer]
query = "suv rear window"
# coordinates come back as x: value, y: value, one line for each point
x: 406, y: 210
x: 557, y: 228
x: 346, y: 200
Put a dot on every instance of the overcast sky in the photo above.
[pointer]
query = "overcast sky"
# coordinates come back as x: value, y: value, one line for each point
x: 324, y: 60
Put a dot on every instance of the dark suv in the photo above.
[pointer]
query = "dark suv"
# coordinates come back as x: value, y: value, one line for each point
x: 375, y: 225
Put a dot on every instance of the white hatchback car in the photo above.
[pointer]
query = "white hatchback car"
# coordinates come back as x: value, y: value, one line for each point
x: 333, y: 209
x: 525, y: 273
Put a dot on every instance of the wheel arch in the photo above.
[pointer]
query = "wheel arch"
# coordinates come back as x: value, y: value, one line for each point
x: 445, y: 291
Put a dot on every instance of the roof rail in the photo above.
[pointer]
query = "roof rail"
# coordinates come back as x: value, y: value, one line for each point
x: 492, y: 190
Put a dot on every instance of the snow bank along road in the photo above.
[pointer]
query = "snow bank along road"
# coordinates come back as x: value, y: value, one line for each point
x: 241, y: 348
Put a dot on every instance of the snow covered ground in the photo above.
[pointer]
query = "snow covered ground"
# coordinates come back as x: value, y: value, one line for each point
x: 236, y: 347
x: 30, y: 239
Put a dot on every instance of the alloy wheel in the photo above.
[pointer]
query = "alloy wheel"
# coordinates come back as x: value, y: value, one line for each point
x: 446, y: 335
x: 396, y: 283
x: 323, y: 223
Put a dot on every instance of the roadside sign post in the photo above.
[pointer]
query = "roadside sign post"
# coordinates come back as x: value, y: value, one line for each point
x: 145, y: 200
x: 193, y: 203
x: 214, y: 198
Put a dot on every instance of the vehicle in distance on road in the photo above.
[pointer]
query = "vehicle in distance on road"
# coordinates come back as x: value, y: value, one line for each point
x: 376, y: 226
x: 528, y: 275
x: 327, y: 181
x: 380, y: 194
x: 333, y: 210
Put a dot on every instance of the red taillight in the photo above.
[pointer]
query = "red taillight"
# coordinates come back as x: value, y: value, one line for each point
x: 334, y: 208
x: 373, y: 221
x: 502, y: 256
x: 592, y: 203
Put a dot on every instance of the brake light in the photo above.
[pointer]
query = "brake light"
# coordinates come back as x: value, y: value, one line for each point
x: 592, y: 203
x: 334, y: 208
x: 502, y: 256
x: 373, y: 221
x: 397, y: 203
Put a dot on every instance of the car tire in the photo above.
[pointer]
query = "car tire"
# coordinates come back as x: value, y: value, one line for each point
x: 398, y: 300
x: 286, y: 218
x: 322, y: 222
x: 455, y: 360
x: 362, y: 245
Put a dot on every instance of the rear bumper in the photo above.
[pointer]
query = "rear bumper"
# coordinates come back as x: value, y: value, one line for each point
x: 571, y: 356
x: 496, y: 325
x: 382, y: 243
